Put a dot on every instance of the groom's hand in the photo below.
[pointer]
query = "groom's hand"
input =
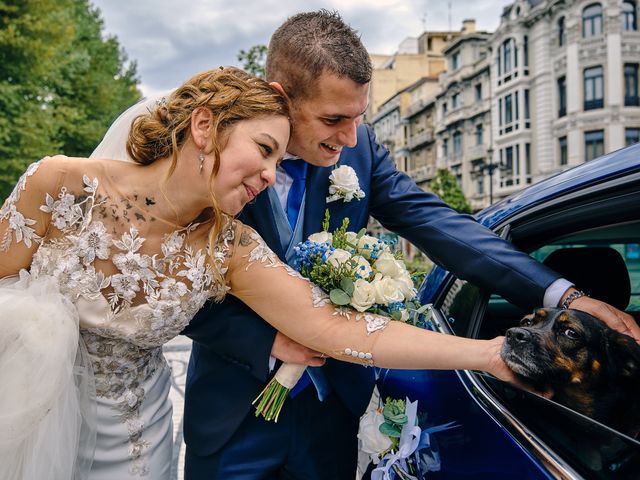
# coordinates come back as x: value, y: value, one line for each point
x: 289, y: 351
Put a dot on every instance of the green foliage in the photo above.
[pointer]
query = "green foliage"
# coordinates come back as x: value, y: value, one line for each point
x: 394, y: 420
x: 61, y: 82
x: 254, y: 60
x: 445, y: 185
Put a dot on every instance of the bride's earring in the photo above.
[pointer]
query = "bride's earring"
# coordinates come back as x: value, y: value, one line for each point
x: 201, y: 160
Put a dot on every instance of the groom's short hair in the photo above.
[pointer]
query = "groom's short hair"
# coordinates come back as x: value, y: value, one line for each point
x: 309, y: 44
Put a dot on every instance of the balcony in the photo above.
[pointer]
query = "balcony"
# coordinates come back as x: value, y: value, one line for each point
x: 422, y: 138
x: 476, y: 152
x: 631, y: 101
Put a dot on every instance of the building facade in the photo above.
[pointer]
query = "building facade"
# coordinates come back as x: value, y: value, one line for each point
x: 463, y: 113
x: 565, y: 86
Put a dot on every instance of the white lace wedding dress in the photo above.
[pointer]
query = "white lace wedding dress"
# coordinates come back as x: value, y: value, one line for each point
x: 105, y: 265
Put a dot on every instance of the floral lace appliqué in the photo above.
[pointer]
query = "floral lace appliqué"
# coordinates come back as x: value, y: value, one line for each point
x: 145, y: 300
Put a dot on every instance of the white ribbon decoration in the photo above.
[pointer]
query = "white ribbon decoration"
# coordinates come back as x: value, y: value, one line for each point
x: 409, y: 440
x: 289, y: 373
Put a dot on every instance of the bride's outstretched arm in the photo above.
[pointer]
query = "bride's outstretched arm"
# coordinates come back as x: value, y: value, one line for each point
x: 299, y: 309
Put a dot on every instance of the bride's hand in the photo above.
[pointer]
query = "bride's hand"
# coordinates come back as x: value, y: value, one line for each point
x: 496, y: 365
x: 499, y: 369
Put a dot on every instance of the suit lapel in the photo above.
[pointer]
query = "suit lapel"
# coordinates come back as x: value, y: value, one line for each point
x: 260, y: 216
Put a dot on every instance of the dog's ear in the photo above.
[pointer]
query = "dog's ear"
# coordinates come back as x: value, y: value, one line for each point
x: 623, y: 355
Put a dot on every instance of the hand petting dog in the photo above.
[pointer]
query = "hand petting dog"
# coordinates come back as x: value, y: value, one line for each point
x: 614, y: 318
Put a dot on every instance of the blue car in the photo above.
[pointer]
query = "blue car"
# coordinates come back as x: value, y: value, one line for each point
x: 589, y: 215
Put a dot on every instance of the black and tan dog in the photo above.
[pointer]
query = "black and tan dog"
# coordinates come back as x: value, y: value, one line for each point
x: 588, y: 366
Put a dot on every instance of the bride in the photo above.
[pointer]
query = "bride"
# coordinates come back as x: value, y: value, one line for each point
x: 103, y: 262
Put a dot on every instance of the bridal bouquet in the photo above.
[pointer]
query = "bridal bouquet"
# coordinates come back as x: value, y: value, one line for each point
x: 355, y: 270
x: 392, y: 437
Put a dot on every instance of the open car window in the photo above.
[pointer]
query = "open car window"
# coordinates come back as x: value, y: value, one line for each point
x: 593, y: 450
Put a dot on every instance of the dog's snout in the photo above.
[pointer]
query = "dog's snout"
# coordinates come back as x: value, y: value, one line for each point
x: 518, y: 334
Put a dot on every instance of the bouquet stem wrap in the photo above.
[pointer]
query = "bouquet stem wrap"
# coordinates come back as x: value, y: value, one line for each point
x: 270, y: 401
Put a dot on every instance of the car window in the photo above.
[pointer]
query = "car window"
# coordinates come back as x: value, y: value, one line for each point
x: 459, y: 306
x: 629, y: 252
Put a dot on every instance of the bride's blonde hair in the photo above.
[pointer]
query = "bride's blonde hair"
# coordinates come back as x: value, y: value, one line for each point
x: 230, y: 94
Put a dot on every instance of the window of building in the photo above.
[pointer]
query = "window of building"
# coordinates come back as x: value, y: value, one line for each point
x: 564, y: 154
x: 457, y: 145
x: 478, y: 92
x: 444, y: 108
x: 507, y: 58
x: 629, y: 15
x: 593, y: 144
x: 632, y: 135
x: 562, y: 33
x: 479, y: 134
x: 593, y: 88
x: 455, y: 61
x: 445, y: 148
x: 525, y: 50
x: 592, y: 20
x: 508, y: 112
x: 527, y: 161
x: 455, y: 101
x: 526, y: 108
x: 631, y: 84
x: 562, y: 96
x: 500, y: 115
x: 508, y: 166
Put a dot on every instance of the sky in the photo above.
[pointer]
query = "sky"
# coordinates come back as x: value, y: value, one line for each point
x: 171, y: 40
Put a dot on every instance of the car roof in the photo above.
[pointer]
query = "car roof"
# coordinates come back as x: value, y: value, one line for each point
x: 604, y: 168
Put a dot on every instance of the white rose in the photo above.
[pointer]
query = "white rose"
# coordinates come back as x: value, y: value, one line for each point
x: 338, y: 257
x: 363, y: 295
x: 386, y: 290
x: 371, y: 441
x: 405, y: 284
x: 389, y: 266
x: 367, y: 244
x: 345, y: 179
x: 362, y: 267
x: 352, y: 238
x: 321, y: 237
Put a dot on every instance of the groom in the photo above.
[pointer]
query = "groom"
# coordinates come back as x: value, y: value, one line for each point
x: 321, y: 64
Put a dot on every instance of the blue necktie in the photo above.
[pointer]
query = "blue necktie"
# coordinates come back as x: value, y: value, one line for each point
x: 297, y: 170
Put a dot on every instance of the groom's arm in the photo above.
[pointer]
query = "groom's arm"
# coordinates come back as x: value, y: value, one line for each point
x: 235, y: 333
x: 453, y: 240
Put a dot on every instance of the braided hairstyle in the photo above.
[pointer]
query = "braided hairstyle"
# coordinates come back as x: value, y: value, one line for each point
x: 230, y: 94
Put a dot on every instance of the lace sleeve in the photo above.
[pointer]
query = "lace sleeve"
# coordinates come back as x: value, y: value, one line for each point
x: 24, y: 220
x: 303, y: 312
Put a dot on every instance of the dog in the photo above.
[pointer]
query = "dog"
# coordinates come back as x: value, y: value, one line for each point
x: 588, y: 367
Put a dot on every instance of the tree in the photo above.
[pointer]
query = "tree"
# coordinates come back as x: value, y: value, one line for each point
x: 61, y: 82
x: 445, y: 185
x: 254, y: 60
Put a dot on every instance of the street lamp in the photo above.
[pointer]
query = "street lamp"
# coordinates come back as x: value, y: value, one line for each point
x: 481, y: 167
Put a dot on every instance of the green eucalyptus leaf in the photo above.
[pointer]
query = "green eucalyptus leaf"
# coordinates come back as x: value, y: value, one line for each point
x: 396, y: 315
x: 347, y: 285
x: 390, y: 430
x: 339, y: 297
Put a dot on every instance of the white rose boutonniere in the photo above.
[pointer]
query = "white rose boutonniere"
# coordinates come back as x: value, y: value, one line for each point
x: 344, y: 185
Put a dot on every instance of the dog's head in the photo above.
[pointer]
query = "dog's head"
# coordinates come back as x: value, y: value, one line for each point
x: 588, y: 366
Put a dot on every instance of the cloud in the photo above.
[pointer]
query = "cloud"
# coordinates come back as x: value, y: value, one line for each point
x: 170, y: 40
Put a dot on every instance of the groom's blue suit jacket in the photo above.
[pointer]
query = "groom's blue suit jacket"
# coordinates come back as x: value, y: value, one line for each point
x: 230, y: 357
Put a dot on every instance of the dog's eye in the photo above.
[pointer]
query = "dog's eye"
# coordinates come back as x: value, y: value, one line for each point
x: 571, y: 333
x: 526, y: 322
